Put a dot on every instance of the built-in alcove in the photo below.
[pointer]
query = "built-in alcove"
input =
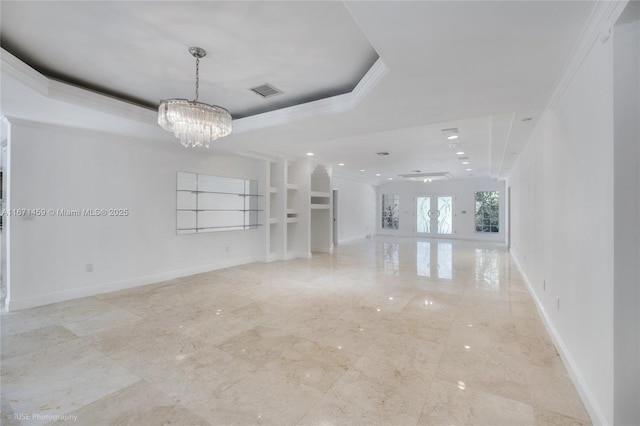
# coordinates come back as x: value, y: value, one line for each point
x: 321, y: 214
x: 295, y: 217
x: 276, y: 207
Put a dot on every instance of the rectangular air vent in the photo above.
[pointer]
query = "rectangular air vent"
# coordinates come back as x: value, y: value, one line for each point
x: 266, y: 90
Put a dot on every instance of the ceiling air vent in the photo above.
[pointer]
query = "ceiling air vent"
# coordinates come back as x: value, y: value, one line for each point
x: 382, y: 154
x: 266, y: 90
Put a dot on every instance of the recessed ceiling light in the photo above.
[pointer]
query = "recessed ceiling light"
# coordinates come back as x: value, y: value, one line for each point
x: 310, y: 154
x: 390, y: 178
x: 451, y: 133
x: 468, y: 170
x: 362, y: 170
x: 460, y: 153
x: 427, y: 180
x: 465, y: 162
x: 377, y: 174
x: 340, y: 164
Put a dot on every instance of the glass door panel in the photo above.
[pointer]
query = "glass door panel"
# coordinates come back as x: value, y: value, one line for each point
x: 434, y: 215
x: 423, y: 218
x: 445, y: 215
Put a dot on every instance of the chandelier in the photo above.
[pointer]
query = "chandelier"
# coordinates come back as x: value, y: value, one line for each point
x: 194, y: 123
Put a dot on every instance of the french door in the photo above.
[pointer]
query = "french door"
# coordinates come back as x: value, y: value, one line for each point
x: 434, y: 215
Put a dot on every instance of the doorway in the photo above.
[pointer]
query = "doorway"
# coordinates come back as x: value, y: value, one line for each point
x: 335, y: 217
x: 434, y: 215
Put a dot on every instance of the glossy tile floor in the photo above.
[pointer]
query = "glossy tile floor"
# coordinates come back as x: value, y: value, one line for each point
x: 389, y: 332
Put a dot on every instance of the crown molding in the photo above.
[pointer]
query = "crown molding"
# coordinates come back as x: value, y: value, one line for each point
x: 85, y: 98
x: 598, y: 28
x: 327, y: 106
x: 22, y: 72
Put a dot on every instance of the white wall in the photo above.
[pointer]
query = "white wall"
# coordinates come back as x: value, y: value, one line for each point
x: 562, y: 229
x: 463, y: 191
x: 356, y: 209
x: 626, y: 66
x: 63, y: 168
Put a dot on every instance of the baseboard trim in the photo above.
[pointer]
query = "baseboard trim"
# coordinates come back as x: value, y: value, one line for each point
x: 593, y: 408
x: 352, y: 239
x: 63, y: 296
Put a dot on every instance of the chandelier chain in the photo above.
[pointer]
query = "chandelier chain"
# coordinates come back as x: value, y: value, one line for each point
x: 197, y: 78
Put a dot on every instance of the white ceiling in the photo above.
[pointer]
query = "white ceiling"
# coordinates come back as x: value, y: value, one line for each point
x: 479, y: 66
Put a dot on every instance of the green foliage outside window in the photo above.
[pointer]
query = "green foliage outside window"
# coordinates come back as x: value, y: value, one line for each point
x: 487, y: 211
x: 390, y: 211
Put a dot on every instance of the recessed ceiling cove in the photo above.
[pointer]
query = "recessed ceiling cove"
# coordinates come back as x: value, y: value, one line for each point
x: 132, y: 50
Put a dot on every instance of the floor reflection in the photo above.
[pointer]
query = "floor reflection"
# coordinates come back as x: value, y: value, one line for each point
x: 391, y: 256
x: 434, y: 259
x: 487, y: 269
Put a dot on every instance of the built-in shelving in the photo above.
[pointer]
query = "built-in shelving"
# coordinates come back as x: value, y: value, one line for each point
x: 207, y: 203
x: 320, y: 217
x: 299, y: 209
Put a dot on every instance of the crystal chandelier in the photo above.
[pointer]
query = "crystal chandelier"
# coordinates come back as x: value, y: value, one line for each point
x: 194, y: 123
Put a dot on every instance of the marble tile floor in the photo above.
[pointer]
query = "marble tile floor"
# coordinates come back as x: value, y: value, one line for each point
x: 381, y: 332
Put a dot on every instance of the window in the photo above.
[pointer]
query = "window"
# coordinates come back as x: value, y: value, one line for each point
x: 390, y: 211
x: 487, y: 211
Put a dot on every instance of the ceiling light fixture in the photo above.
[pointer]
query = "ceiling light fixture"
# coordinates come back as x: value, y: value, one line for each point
x: 460, y: 153
x: 194, y: 123
x: 377, y: 174
x: 451, y: 133
x: 310, y: 154
x: 465, y: 162
x: 362, y: 170
x: 340, y: 164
